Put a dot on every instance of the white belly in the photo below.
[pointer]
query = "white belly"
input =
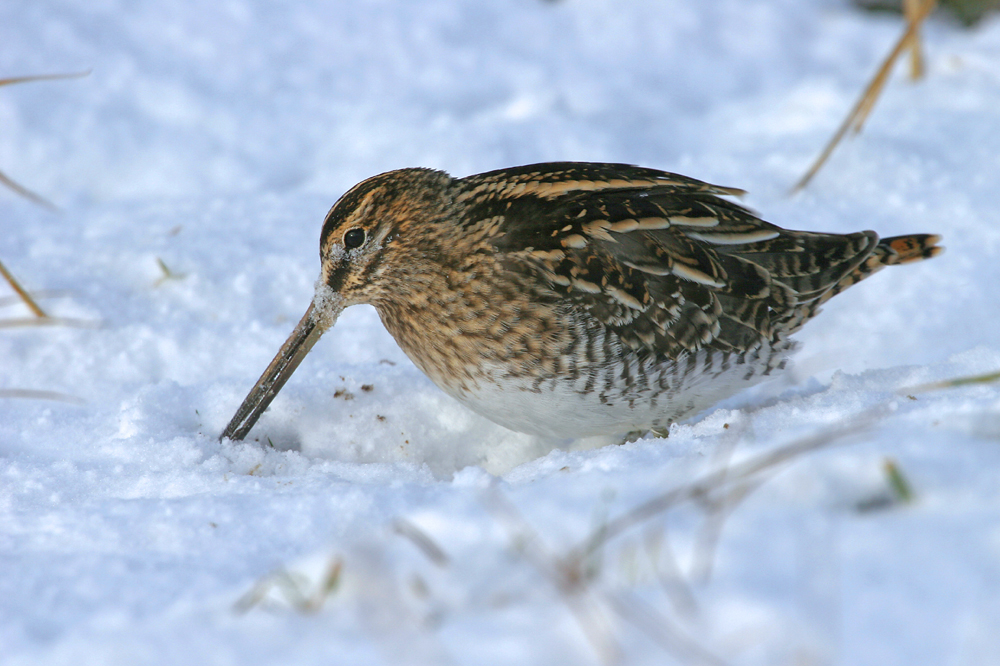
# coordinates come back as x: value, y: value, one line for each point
x: 562, y: 408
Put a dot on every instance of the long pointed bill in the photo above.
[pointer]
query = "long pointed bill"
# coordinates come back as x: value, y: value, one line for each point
x: 309, y: 329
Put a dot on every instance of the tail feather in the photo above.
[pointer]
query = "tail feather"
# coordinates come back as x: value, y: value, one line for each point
x: 891, y: 251
x: 907, y: 249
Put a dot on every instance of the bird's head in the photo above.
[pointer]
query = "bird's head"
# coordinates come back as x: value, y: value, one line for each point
x: 369, y: 232
x: 369, y: 241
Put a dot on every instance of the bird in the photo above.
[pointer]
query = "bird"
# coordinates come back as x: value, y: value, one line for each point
x: 572, y: 299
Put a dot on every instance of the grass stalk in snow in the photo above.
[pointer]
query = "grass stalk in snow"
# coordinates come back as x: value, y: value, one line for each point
x: 36, y: 295
x: 730, y: 478
x: 294, y: 589
x: 915, y: 16
x: 31, y: 394
x: 660, y: 552
x: 27, y: 322
x: 34, y: 197
x: 21, y: 292
x: 167, y: 273
x: 987, y: 378
x: 40, y: 319
x: 40, y: 314
x: 7, y: 180
x: 422, y: 541
x: 571, y: 579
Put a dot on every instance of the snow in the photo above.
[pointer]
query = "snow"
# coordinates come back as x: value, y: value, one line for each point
x: 213, y: 137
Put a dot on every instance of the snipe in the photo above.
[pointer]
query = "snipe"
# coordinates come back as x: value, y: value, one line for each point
x: 573, y: 299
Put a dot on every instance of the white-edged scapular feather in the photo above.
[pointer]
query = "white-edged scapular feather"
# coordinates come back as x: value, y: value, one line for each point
x: 652, y: 269
x: 653, y: 223
x: 735, y: 238
x: 682, y: 221
x: 624, y: 226
x: 549, y: 255
x: 694, y: 275
x: 575, y: 241
x: 598, y: 229
x: 625, y: 298
x: 584, y: 285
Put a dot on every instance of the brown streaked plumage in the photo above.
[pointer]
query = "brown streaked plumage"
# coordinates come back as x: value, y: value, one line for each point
x: 575, y: 299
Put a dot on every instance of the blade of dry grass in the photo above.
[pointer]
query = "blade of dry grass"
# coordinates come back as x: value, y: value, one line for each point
x: 856, y: 118
x: 7, y: 180
x: 651, y: 622
x: 741, y: 479
x: 28, y: 322
x: 710, y: 533
x: 293, y: 589
x: 36, y: 295
x: 716, y: 510
x: 21, y: 291
x: 911, y: 10
x: 726, y: 478
x: 901, y: 487
x: 571, y: 576
x: 569, y: 579
x: 43, y: 77
x: 27, y: 194
x: 421, y: 540
x: 30, y: 394
x: 988, y: 378
x: 659, y: 549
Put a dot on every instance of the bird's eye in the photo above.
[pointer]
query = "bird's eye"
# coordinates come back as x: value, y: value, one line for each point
x: 354, y: 238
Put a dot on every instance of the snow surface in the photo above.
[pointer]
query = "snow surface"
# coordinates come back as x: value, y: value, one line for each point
x: 213, y: 137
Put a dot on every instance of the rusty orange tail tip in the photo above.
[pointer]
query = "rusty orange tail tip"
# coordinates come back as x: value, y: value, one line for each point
x: 913, y: 247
